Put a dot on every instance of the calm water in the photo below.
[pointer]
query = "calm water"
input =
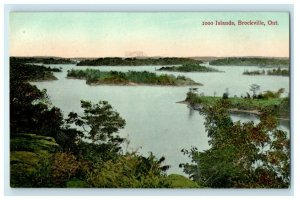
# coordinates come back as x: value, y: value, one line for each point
x: 154, y: 121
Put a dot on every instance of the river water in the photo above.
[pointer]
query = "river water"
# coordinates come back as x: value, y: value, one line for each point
x: 154, y: 121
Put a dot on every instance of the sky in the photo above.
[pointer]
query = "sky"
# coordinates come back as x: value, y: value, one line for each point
x: 119, y: 34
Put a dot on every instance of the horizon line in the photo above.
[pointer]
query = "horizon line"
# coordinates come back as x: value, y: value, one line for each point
x: 39, y: 56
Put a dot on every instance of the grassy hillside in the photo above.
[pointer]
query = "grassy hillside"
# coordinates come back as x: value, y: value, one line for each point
x: 28, y: 158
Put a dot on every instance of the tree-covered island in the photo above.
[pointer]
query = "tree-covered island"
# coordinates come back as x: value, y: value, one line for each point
x: 272, y: 72
x: 249, y: 61
x: 97, y: 77
x: 188, y: 68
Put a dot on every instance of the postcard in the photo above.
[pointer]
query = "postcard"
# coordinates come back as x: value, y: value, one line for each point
x: 149, y: 100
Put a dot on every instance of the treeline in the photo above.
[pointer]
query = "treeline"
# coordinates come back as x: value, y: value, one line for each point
x: 274, y: 72
x: 81, y: 150
x: 188, y: 68
x: 129, y: 78
x: 42, y: 60
x: 117, y: 61
x: 244, y: 61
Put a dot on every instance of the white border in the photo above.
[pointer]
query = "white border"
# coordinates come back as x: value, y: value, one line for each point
x: 123, y: 7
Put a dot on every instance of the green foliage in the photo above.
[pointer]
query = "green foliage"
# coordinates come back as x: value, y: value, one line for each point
x: 116, y: 61
x: 189, y: 68
x: 279, y: 72
x: 242, y: 155
x: 30, y: 159
x: 179, y: 181
x: 129, y: 171
x: 33, y: 143
x: 38, y: 161
x: 276, y: 72
x: 243, y: 61
x: 272, y: 95
x: 129, y: 78
x: 256, y: 72
x: 235, y: 102
x: 29, y: 72
x: 75, y: 183
x: 99, y: 122
x: 30, y: 109
x: 44, y: 60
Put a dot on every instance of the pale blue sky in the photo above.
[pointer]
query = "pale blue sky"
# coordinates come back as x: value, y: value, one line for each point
x: 97, y: 34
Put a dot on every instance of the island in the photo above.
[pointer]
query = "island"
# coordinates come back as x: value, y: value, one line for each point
x: 252, y: 61
x: 97, y: 77
x: 189, y: 68
x: 118, y: 61
x: 247, y: 104
x: 273, y: 72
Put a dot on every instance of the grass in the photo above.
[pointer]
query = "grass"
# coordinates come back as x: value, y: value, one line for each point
x: 97, y: 77
x: 28, y: 154
x: 33, y: 143
x: 179, y: 181
x: 235, y: 102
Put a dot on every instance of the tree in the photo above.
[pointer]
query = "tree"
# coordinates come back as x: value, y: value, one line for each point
x: 99, y: 123
x: 243, y: 155
x: 254, y: 88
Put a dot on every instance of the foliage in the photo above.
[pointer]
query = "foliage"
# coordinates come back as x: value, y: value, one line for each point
x: 189, y: 68
x: 235, y: 102
x: 276, y: 72
x: 256, y: 61
x: 64, y: 167
x: 132, y: 77
x: 76, y: 183
x: 255, y: 72
x: 179, y: 181
x: 30, y: 111
x: 241, y: 155
x: 254, y: 88
x: 30, y: 159
x: 44, y: 60
x: 271, y: 95
x: 28, y: 72
x: 279, y: 72
x: 76, y: 145
x: 117, y: 61
x: 99, y: 122
x: 129, y: 171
